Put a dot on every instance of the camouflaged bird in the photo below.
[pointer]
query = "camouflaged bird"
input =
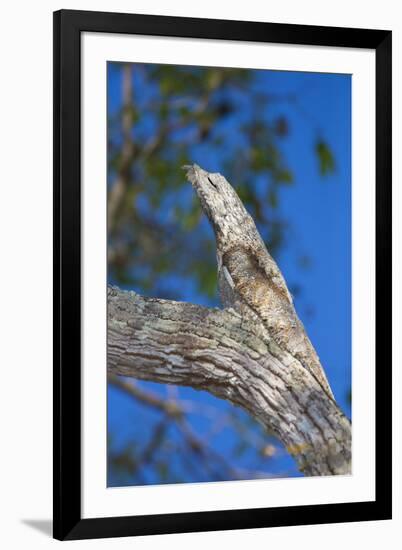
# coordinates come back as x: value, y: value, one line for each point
x: 248, y: 277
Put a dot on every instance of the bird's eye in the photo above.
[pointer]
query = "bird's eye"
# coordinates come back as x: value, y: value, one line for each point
x: 212, y: 183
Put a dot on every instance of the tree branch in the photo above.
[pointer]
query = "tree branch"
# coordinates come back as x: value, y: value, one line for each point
x: 230, y: 356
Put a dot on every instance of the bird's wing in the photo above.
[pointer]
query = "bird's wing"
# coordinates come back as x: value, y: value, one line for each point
x: 263, y: 290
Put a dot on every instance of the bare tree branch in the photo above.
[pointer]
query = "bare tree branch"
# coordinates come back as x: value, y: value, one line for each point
x: 231, y: 357
x: 119, y: 187
x: 168, y: 406
x: 174, y: 411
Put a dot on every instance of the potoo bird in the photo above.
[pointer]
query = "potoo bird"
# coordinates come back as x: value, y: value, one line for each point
x: 248, y: 277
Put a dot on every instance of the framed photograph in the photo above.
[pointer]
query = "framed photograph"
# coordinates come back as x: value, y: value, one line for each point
x: 222, y: 274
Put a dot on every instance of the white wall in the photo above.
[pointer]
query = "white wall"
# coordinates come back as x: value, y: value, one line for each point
x: 26, y: 232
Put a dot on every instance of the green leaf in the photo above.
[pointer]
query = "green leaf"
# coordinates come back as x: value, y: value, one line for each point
x: 191, y: 218
x: 263, y: 159
x: 163, y: 469
x: 205, y: 273
x: 245, y: 193
x: 284, y: 176
x: 325, y: 158
x: 273, y: 198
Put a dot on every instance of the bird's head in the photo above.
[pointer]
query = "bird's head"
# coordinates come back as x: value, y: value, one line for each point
x: 219, y: 202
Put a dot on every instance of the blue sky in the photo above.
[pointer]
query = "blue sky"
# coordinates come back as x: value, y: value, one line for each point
x: 319, y: 211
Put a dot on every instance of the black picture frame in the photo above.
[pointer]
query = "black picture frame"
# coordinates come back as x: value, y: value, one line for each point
x: 68, y: 26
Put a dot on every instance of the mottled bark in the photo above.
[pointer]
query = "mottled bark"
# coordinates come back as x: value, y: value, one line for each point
x: 232, y: 357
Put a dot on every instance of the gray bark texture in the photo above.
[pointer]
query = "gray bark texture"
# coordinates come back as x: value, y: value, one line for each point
x: 254, y: 352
